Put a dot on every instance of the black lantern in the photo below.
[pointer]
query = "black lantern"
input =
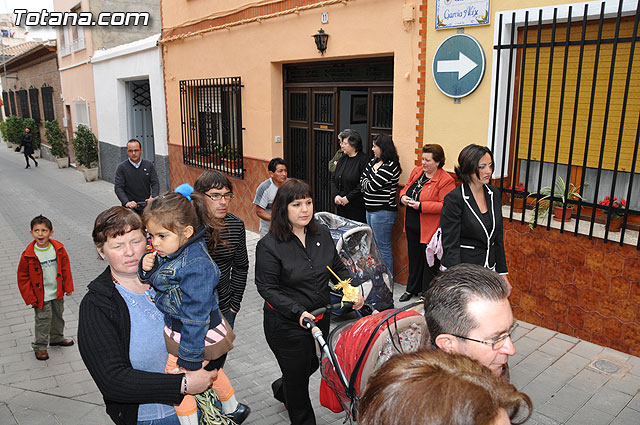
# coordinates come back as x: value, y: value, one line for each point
x: 321, y: 38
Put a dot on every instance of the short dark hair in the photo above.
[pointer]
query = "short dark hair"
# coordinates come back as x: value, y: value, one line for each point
x: 41, y: 220
x: 288, y: 192
x: 353, y: 138
x: 436, y: 152
x: 388, y: 150
x: 212, y: 180
x: 433, y: 387
x: 273, y: 164
x: 468, y: 161
x: 135, y: 141
x: 445, y: 304
x: 114, y: 222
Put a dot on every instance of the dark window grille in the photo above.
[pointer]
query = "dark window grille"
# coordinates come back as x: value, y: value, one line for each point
x: 324, y: 109
x: 24, y: 103
x: 12, y: 101
x: 5, y: 103
x: 574, y: 115
x: 382, y: 110
x: 35, y: 105
x: 47, y: 103
x: 211, y: 117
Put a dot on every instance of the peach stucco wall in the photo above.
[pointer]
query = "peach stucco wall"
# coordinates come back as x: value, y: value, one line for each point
x: 256, y: 52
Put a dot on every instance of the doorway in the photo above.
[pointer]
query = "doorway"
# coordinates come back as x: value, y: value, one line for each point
x: 140, y: 117
x: 323, y: 99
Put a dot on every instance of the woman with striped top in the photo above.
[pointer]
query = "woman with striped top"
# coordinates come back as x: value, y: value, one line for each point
x: 379, y: 183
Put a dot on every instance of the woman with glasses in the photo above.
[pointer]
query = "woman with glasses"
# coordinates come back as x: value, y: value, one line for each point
x: 471, y: 218
x: 345, y: 181
x: 228, y: 248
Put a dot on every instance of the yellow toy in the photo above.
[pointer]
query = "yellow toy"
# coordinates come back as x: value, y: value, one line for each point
x: 349, y: 293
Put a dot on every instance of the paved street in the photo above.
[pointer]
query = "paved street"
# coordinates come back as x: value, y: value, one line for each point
x: 570, y: 381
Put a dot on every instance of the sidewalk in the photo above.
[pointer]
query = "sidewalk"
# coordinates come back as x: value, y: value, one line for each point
x: 570, y: 381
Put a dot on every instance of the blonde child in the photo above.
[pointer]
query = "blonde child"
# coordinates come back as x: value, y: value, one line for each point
x: 185, y: 278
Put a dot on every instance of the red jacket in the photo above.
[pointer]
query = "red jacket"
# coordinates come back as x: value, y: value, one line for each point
x: 431, y: 199
x: 30, y: 274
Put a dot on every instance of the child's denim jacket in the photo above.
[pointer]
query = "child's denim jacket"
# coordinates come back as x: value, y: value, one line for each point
x: 186, y: 282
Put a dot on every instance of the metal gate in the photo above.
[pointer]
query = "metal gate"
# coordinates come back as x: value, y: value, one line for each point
x: 563, y: 107
x: 140, y: 117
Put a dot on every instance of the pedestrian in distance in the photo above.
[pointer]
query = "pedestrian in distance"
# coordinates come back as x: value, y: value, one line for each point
x: 345, y: 180
x: 181, y: 271
x: 423, y: 196
x: 266, y: 193
x: 44, y: 278
x: 27, y: 145
x: 136, y: 180
x: 120, y: 331
x: 379, y: 183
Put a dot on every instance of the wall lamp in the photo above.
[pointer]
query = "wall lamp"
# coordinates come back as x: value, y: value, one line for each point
x: 321, y: 38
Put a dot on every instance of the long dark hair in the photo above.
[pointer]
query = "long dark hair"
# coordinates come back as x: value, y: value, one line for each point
x: 288, y: 192
x: 388, y: 150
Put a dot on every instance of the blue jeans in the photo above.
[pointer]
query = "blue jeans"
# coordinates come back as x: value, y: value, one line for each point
x: 169, y: 420
x: 381, y: 222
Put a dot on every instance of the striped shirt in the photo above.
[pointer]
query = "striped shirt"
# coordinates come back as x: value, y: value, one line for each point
x: 380, y: 186
x: 231, y: 257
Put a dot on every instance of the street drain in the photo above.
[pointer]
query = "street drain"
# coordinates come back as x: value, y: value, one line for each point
x: 610, y: 366
x: 606, y: 366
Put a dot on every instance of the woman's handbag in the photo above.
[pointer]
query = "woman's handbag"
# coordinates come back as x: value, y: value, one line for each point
x: 217, y: 343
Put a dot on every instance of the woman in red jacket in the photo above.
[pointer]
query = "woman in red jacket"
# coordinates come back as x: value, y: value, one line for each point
x: 423, y: 196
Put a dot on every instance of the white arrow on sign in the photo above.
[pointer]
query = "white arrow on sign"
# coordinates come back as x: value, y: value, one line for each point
x: 463, y: 65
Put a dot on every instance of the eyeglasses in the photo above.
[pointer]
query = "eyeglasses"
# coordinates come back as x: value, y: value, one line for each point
x: 217, y: 196
x: 497, y: 343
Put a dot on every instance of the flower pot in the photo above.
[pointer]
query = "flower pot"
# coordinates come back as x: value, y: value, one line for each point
x: 90, y: 174
x: 63, y: 162
x: 615, y: 224
x: 518, y: 204
x: 557, y: 213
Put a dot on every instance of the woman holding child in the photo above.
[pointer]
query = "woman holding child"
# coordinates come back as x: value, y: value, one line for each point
x: 120, y: 331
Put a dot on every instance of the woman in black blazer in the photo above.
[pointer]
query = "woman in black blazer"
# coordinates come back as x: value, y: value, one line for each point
x: 345, y: 181
x: 471, y: 217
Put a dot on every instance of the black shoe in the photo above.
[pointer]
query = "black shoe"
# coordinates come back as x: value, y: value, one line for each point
x: 28, y: 166
x: 35, y: 162
x: 240, y: 414
x: 405, y: 297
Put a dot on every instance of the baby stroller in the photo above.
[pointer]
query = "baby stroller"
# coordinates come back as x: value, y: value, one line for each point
x: 355, y: 349
x: 359, y: 252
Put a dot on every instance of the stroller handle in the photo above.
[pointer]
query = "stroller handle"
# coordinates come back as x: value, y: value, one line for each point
x: 308, y: 323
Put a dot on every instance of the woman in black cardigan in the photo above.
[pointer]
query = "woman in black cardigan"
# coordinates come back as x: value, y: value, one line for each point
x: 345, y: 181
x: 471, y: 217
x: 113, y: 346
x: 27, y: 144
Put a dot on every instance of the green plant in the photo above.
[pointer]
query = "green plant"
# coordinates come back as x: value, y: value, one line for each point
x: 15, y: 129
x: 55, y: 138
x: 85, y: 144
x: 35, y: 131
x: 557, y: 198
x: 3, y: 130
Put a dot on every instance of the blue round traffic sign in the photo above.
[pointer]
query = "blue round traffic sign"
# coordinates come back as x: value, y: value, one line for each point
x: 458, y: 65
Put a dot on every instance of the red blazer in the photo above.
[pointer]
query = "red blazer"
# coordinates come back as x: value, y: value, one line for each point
x: 431, y: 199
x: 30, y: 274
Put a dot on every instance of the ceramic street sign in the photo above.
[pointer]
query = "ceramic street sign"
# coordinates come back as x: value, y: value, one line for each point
x: 458, y: 65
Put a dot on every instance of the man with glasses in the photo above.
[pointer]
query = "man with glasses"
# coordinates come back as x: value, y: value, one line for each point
x: 468, y: 312
x: 136, y: 180
x: 228, y: 248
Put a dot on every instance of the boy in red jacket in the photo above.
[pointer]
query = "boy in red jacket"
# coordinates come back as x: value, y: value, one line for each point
x: 44, y: 277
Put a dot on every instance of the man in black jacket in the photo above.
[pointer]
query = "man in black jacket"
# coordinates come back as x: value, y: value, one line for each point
x: 136, y: 180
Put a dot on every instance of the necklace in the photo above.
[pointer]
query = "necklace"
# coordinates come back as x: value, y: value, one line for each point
x: 415, y: 194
